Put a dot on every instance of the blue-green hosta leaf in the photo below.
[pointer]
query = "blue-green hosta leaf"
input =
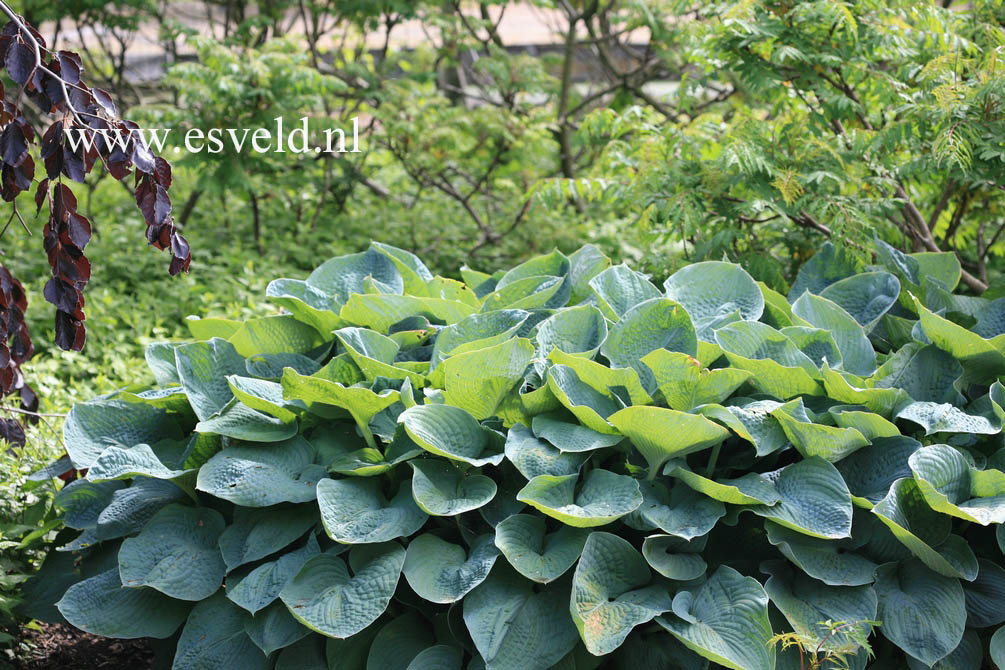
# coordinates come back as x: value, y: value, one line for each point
x: 92, y: 426
x: 673, y: 557
x: 477, y: 331
x: 857, y: 353
x: 342, y: 276
x: 590, y: 406
x: 374, y: 354
x: 985, y: 596
x: 274, y: 335
x: 202, y: 370
x: 539, y: 556
x: 653, y: 650
x: 533, y: 457
x: 554, y: 264
x: 661, y: 434
x: 777, y: 310
x: 274, y: 628
x: 982, y: 359
x: 206, y: 328
x: 619, y: 288
x: 611, y: 593
x: 602, y: 498
x: 751, y: 420
x: 968, y: 655
x: 264, y: 396
x: 160, y: 359
x: 576, y: 330
x: 381, y: 311
x: 997, y: 647
x: 818, y: 344
x: 712, y: 290
x: 451, y: 432
x: 82, y: 501
x: 441, y: 572
x: 806, y: 604
x: 866, y: 296
x: 951, y: 485
x: 813, y: 439
x: 923, y: 613
x: 477, y: 381
x: 681, y: 511
x: 413, y: 271
x: 725, y: 620
x: 945, y: 418
x: 943, y: 266
x: 924, y: 531
x: 253, y: 590
x: 129, y: 509
x: 749, y: 489
x: 240, y: 422
x: 601, y: 378
x: 654, y: 324
x: 256, y: 533
x: 306, y: 303
x: 826, y: 266
x: 883, y: 401
x: 829, y: 561
x: 538, y: 292
x: 814, y: 499
x: 326, y: 598
x: 870, y: 472
x: 686, y: 385
x: 514, y: 627
x: 777, y: 365
x: 924, y: 372
x: 271, y: 366
x: 214, y: 637
x: 437, y: 657
x: 398, y: 642
x: 442, y: 489
x: 137, y: 461
x: 571, y: 437
x: 870, y: 424
x: 176, y: 553
x: 585, y: 263
x: 259, y: 476
x: 102, y: 606
x: 355, y: 511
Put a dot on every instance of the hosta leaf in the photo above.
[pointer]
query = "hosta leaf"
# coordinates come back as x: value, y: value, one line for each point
x: 590, y: 406
x: 681, y: 511
x: 413, y: 271
x: 202, y: 370
x: 806, y: 604
x: 342, y: 276
x: 601, y: 378
x: 952, y: 486
x: 725, y: 620
x: 602, y: 498
x: 271, y: 366
x: 129, y: 509
x: 654, y: 324
x: 259, y: 587
x: 827, y: 265
x: 256, y: 533
x: 857, y: 353
x: 818, y: 344
x: 259, y: 476
x: 533, y: 457
x: 441, y: 489
x: 374, y: 354
x: 661, y: 434
x: 92, y: 426
x: 160, y: 359
x: 450, y: 432
x: 514, y: 627
x: 813, y: 439
x: 968, y: 655
x: 240, y: 422
x: 571, y: 437
x: 264, y: 396
x: 982, y: 359
x: 870, y: 472
x: 866, y: 296
x: 82, y: 501
x: 137, y: 461
x: 619, y: 288
x: 670, y: 556
x: 102, y: 606
x: 214, y: 637
x: 814, y: 499
x: 176, y: 553
x: 883, y: 401
x: 751, y: 420
x: 437, y: 657
x: 585, y: 263
x: 686, y: 385
x: 870, y: 424
x: 381, y: 311
x: 477, y: 331
x: 274, y: 335
x: 922, y: 612
x: 985, y: 596
x: 538, y: 292
x: 476, y: 381
x: 576, y: 330
x: 306, y: 303
x: 355, y: 511
x: 398, y: 642
x: 826, y: 560
x: 539, y: 556
x: 712, y: 290
x: 924, y: 372
x: 777, y: 365
x: 945, y: 418
x: 610, y: 595
x: 553, y: 264
x: 325, y: 598
x: 274, y: 628
x: 924, y: 531
x: 749, y: 489
x: 441, y: 572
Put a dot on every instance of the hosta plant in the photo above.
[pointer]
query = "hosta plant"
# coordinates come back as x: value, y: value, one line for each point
x: 563, y: 465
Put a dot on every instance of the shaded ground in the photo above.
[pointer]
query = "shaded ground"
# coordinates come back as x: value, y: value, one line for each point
x: 66, y: 648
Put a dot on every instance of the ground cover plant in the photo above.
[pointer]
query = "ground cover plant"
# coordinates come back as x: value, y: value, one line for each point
x: 559, y: 465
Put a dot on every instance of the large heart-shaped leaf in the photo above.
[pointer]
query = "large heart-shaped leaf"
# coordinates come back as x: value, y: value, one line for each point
x: 814, y: 499
x: 654, y: 324
x: 602, y: 498
x: 259, y: 476
x: 952, y: 486
x: 661, y: 434
x: 533, y: 457
x: 442, y: 489
x: 255, y: 533
x: 355, y: 511
x: 92, y: 426
x: 686, y: 385
x: 712, y: 291
x: 442, y: 572
x: 866, y: 296
x: 478, y: 380
x: 619, y: 288
x: 450, y: 432
x: 254, y: 589
x: 857, y: 354
x: 537, y: 555
x: 777, y: 365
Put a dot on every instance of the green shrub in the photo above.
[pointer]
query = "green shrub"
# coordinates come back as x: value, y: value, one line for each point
x: 550, y: 467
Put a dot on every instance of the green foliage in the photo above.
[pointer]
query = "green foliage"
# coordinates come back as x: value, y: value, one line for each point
x: 553, y: 492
